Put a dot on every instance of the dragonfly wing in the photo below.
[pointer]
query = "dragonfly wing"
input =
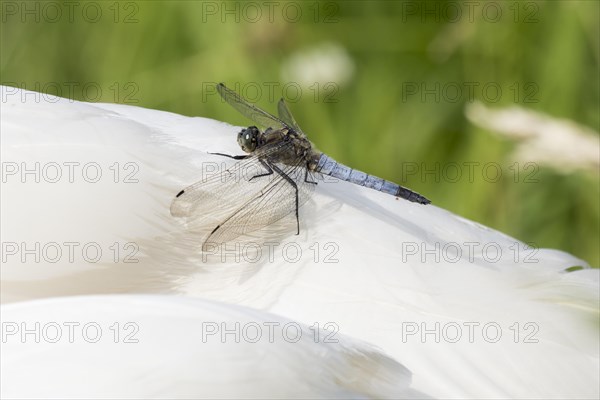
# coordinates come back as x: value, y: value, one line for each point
x: 218, y: 194
x: 222, y: 186
x: 286, y: 116
x: 273, y: 202
x: 262, y: 118
x: 233, y: 202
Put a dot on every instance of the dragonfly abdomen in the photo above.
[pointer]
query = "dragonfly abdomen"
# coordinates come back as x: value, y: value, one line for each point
x: 329, y: 166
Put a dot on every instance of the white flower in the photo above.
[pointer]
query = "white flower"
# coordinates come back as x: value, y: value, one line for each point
x: 558, y: 143
x: 328, y: 62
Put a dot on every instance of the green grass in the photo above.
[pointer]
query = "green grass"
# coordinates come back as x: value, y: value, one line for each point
x: 168, y: 55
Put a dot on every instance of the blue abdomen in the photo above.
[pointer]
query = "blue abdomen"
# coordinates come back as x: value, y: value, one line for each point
x: 329, y: 166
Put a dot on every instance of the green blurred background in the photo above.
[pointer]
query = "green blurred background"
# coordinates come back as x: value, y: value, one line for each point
x: 374, y: 84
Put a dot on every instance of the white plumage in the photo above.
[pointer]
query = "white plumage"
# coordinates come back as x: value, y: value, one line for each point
x: 137, y: 346
x: 378, y: 275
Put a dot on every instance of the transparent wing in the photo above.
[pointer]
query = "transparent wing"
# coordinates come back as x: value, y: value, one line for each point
x: 276, y: 200
x: 286, y: 116
x: 220, y: 186
x: 262, y: 118
x: 228, y: 203
x: 218, y: 191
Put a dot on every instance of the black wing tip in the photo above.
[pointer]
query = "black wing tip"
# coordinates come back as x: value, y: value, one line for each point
x: 180, y: 193
x: 221, y: 88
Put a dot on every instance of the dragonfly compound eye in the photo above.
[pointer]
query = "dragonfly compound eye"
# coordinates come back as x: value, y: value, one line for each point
x: 248, y: 138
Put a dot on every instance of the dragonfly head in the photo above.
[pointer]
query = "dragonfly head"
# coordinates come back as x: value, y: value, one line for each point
x: 248, y: 139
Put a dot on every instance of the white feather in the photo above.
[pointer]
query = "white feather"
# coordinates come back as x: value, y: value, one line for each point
x: 137, y: 346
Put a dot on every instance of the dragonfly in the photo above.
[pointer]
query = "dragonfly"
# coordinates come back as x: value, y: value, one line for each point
x: 273, y: 179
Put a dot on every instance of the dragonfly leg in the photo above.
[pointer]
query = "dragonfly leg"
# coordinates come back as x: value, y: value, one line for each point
x: 268, y: 168
x: 291, y: 182
x: 306, y: 176
x: 230, y: 156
